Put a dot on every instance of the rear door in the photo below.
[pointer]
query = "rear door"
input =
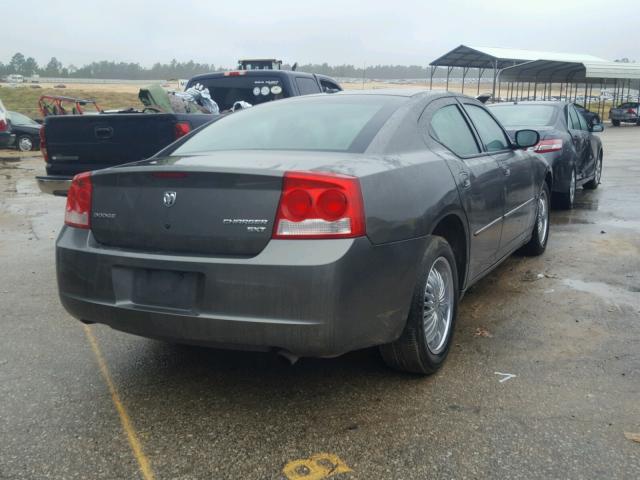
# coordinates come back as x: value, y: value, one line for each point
x: 518, y: 175
x: 580, y: 139
x: 479, y: 178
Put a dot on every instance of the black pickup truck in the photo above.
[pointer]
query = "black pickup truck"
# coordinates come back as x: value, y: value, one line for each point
x: 77, y: 143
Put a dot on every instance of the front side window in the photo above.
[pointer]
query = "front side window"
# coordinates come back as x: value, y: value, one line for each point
x: 491, y: 134
x: 449, y: 127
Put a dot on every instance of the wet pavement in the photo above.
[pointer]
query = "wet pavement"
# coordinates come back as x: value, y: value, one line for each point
x: 564, y: 326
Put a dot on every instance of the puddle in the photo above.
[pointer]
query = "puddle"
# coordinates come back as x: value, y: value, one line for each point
x: 563, y: 220
x: 613, y: 294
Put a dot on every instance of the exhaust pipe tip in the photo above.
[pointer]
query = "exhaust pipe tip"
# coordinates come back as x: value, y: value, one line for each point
x: 288, y: 356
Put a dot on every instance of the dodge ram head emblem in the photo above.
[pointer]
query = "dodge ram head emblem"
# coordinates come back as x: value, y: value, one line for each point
x: 169, y: 198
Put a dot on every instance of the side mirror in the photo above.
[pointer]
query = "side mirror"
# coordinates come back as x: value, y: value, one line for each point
x: 597, y: 128
x: 527, y: 138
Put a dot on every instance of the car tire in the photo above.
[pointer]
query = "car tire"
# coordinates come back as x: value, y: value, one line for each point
x: 565, y: 200
x: 593, y: 184
x: 425, y: 341
x: 24, y: 143
x: 540, y: 235
x: 615, y: 123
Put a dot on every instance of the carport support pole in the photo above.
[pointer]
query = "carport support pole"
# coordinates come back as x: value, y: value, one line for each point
x: 433, y: 71
x: 449, y: 69
x: 535, y: 90
x: 528, y: 90
x: 495, y: 78
x: 465, y: 70
x: 480, y: 73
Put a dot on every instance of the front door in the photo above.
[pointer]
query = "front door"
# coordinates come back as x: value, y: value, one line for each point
x: 580, y: 139
x: 517, y: 171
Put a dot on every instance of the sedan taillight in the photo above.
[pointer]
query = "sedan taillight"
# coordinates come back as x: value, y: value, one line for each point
x: 78, y: 211
x: 4, y: 126
x: 548, y: 145
x: 43, y: 145
x: 319, y: 205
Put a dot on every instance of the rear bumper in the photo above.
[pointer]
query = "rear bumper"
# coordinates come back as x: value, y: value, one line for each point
x: 6, y: 139
x: 54, y: 185
x: 624, y: 118
x: 308, y: 297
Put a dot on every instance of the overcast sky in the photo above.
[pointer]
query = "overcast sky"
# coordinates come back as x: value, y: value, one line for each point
x: 355, y: 32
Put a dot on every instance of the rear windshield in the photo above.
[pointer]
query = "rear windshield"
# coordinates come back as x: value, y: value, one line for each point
x: 629, y: 105
x: 225, y: 91
x: 521, y: 115
x: 325, y: 122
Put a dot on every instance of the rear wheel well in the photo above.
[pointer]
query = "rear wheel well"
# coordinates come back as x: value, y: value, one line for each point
x: 452, y: 230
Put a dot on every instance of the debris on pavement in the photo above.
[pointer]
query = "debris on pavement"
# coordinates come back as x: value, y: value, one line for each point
x: 634, y: 437
x: 506, y: 376
x: 482, y: 332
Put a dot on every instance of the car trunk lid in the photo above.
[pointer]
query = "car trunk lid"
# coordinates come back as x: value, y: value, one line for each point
x: 199, y: 212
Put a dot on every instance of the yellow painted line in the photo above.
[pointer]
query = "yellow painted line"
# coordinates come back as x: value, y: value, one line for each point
x: 134, y: 443
x: 317, y: 467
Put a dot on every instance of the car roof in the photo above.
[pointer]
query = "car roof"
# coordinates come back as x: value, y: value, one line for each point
x: 400, y: 92
x: 252, y: 73
x: 553, y: 103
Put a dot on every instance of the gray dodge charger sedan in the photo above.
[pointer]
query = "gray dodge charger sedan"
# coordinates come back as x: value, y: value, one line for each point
x: 311, y: 227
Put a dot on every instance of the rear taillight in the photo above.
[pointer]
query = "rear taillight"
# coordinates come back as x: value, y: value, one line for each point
x: 4, y: 126
x: 319, y: 205
x: 632, y: 111
x: 181, y: 129
x: 78, y: 211
x: 43, y: 145
x: 548, y: 145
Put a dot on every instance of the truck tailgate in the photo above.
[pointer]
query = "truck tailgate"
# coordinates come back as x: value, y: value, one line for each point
x: 77, y: 143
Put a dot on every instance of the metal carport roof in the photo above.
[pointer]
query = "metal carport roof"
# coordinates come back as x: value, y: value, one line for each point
x: 546, y: 71
x: 494, y: 57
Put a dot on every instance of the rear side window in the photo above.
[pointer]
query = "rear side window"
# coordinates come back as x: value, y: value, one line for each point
x: 307, y: 86
x: 490, y: 132
x: 449, y: 127
x: 574, y: 122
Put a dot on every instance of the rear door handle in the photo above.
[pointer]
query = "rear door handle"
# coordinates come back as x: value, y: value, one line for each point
x: 465, y: 180
x: 103, y: 133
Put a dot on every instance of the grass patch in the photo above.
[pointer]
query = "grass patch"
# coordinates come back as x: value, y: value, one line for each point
x: 25, y: 100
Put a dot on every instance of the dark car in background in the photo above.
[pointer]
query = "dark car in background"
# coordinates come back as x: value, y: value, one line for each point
x: 567, y: 142
x: 311, y: 227
x: 628, y: 112
x: 26, y: 131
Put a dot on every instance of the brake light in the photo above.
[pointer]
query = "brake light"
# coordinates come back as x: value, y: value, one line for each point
x: 548, y: 145
x: 235, y: 73
x: 78, y: 210
x: 632, y: 111
x: 319, y: 205
x: 43, y: 145
x: 4, y: 126
x: 181, y: 129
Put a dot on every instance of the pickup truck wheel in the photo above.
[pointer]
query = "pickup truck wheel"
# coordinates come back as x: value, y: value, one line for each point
x: 593, y: 184
x: 24, y: 143
x: 564, y: 200
x: 425, y: 341
x: 615, y: 123
x: 538, y: 243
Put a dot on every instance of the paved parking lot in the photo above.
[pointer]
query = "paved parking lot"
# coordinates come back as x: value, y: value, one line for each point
x: 90, y: 402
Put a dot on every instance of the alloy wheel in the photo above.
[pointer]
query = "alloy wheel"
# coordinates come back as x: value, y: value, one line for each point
x: 438, y: 305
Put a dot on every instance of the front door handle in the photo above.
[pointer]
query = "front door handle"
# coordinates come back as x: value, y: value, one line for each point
x: 103, y: 133
x: 506, y: 170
